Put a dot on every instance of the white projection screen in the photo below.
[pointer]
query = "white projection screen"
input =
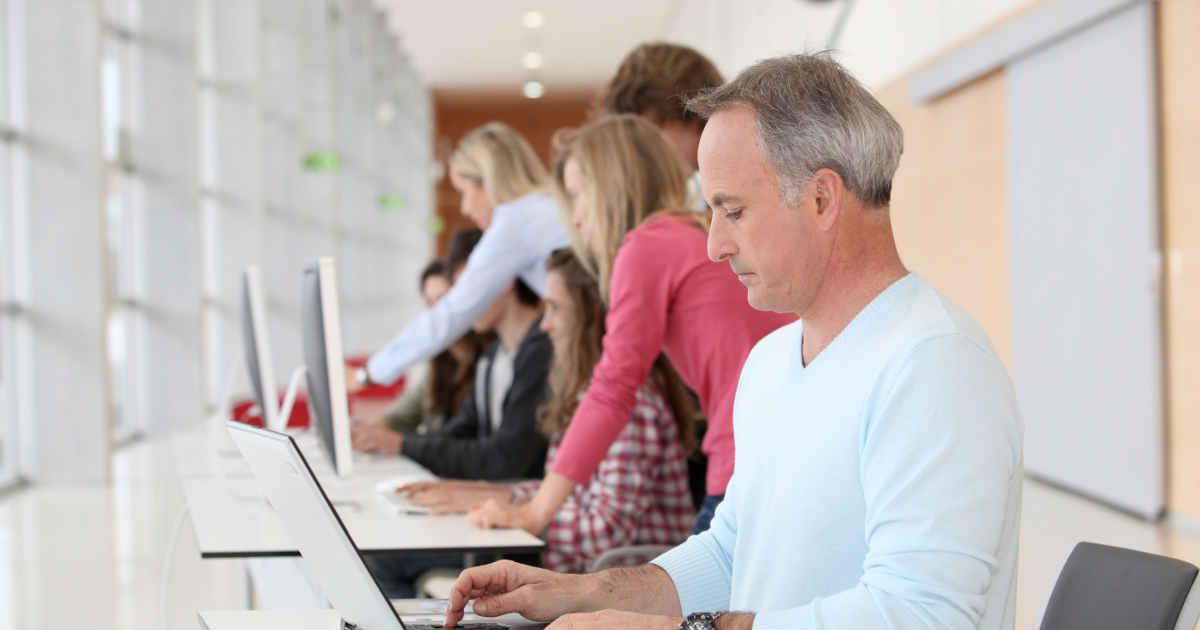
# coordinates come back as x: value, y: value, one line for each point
x: 1084, y: 238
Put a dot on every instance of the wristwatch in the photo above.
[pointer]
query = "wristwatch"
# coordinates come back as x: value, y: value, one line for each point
x: 701, y: 621
x: 363, y: 377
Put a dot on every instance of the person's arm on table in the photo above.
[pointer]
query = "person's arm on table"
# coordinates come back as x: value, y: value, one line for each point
x: 604, y: 523
x: 497, y: 260
x: 512, y: 449
x: 375, y: 437
x: 533, y: 515
x: 540, y: 595
x: 453, y: 495
x: 696, y: 573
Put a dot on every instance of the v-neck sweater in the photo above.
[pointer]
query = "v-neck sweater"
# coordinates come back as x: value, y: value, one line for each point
x: 877, y: 487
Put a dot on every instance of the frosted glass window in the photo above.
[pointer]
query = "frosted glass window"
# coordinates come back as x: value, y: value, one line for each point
x: 8, y: 416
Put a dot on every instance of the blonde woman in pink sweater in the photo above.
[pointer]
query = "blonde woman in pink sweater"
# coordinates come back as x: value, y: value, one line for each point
x: 623, y: 194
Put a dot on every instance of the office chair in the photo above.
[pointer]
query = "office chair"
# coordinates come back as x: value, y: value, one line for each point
x: 610, y: 558
x: 1098, y: 587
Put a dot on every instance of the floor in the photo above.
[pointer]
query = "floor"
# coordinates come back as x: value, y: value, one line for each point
x: 76, y: 557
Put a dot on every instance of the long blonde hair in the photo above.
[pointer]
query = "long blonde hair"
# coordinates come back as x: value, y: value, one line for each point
x: 501, y: 159
x: 632, y: 175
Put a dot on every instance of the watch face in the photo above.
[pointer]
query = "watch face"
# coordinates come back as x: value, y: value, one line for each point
x: 700, y: 621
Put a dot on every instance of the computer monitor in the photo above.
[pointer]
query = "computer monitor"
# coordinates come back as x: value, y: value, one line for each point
x: 321, y: 337
x: 257, y: 344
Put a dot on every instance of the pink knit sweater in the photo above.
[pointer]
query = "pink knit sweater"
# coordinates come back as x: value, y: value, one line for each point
x: 666, y: 296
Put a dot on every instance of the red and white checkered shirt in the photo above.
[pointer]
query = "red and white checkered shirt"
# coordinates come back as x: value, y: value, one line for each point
x: 638, y: 496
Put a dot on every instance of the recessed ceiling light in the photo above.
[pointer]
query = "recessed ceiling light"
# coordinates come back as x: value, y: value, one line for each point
x: 534, y: 19
x: 534, y: 89
x: 532, y: 60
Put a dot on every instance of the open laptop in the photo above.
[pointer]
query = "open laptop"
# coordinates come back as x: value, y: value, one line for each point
x: 298, y: 499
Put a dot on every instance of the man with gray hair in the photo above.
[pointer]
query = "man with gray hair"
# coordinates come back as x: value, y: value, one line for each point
x: 878, y: 472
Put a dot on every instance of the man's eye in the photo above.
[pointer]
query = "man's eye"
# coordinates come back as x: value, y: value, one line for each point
x: 734, y: 214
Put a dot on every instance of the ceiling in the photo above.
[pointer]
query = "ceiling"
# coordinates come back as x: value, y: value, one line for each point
x: 479, y: 44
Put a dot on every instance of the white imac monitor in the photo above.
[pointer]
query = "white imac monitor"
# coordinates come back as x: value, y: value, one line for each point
x: 321, y: 336
x: 257, y: 343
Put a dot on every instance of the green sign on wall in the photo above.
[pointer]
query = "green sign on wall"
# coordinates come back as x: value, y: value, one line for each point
x: 394, y: 201
x: 323, y: 161
x: 435, y: 225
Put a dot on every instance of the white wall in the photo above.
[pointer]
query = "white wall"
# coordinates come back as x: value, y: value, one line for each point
x: 881, y: 41
x: 168, y: 379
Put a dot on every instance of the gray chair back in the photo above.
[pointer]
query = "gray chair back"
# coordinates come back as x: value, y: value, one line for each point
x: 1109, y: 588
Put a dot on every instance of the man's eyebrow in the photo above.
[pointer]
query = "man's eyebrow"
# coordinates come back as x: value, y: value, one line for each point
x: 723, y: 200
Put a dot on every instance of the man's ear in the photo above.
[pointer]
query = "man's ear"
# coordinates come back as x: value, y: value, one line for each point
x: 828, y: 191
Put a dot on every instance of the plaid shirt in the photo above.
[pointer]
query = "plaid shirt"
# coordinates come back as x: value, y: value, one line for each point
x: 638, y: 496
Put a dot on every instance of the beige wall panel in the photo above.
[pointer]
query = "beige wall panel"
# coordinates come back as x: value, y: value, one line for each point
x: 949, y: 199
x: 1180, y: 52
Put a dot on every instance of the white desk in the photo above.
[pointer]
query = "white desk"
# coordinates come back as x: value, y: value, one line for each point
x: 232, y: 520
x: 322, y: 620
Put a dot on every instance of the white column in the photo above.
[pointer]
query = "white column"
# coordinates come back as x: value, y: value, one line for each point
x: 232, y: 210
x: 63, y: 293
x: 287, y: 244
x: 164, y: 151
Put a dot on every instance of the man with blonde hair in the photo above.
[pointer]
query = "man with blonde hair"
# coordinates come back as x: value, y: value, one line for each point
x: 877, y: 481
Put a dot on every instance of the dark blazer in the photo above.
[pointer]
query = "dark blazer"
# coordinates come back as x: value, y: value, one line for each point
x: 467, y: 448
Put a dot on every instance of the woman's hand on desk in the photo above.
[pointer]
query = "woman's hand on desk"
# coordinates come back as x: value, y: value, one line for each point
x: 501, y: 514
x: 375, y: 438
x: 454, y: 496
x: 532, y: 516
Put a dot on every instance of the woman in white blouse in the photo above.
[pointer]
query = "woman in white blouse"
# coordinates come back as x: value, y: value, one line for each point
x: 504, y: 191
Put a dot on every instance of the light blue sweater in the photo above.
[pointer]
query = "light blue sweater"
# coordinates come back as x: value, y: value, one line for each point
x: 877, y: 487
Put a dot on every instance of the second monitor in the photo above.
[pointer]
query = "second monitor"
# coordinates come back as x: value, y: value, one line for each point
x: 321, y: 332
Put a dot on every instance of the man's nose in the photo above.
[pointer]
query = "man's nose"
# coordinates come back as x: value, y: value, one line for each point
x: 719, y: 246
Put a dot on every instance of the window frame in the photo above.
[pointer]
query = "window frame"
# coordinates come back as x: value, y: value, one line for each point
x: 124, y: 318
x: 10, y: 196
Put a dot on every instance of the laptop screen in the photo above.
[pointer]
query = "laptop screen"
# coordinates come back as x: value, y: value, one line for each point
x: 307, y: 514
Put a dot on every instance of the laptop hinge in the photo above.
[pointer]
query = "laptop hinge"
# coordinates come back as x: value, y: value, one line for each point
x: 346, y: 625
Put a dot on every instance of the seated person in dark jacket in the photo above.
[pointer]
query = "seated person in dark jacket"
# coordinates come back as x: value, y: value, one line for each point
x: 494, y: 434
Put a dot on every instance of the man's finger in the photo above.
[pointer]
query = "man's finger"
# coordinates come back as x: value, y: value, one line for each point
x: 475, y: 582
x: 501, y: 604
